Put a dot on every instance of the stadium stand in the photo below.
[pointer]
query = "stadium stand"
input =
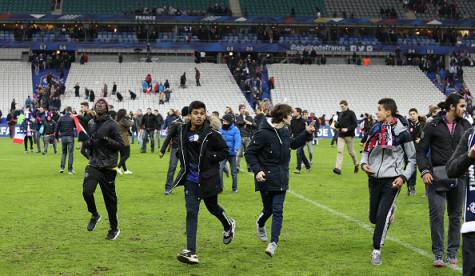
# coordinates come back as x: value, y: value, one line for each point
x: 121, y: 6
x: 469, y: 78
x: 218, y: 86
x: 25, y: 6
x: 362, y: 8
x: 282, y: 7
x: 320, y: 88
x: 16, y: 82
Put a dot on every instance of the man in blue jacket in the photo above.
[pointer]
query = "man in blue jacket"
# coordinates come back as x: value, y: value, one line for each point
x: 232, y: 136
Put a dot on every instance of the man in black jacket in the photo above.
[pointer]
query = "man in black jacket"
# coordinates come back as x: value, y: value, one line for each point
x: 65, y: 130
x: 441, y: 137
x: 346, y: 126
x: 246, y: 126
x: 149, y: 125
x: 101, y: 149
x: 415, y: 125
x: 298, y: 126
x: 49, y: 128
x: 200, y: 151
x: 172, y: 139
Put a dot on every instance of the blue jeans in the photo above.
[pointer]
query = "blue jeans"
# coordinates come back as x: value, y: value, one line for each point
x: 233, y: 164
x: 302, y: 158
x: 67, y: 143
x: 171, y: 168
x: 273, y: 205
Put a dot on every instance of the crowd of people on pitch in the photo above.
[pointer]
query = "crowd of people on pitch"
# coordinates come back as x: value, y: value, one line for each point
x: 440, y: 145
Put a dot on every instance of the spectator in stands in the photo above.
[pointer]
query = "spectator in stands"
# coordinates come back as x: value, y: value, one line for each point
x: 28, y: 102
x: 233, y: 140
x: 121, y: 58
x: 65, y: 129
x: 416, y: 125
x: 104, y: 91
x: 133, y: 95
x: 268, y: 156
x: 124, y: 123
x: 149, y: 125
x: 172, y: 139
x: 92, y: 96
x: 197, y: 76
x: 13, y: 105
x: 346, y: 126
x: 76, y: 90
x: 247, y: 126
x: 183, y: 80
x: 49, y: 134
x: 441, y: 137
x: 114, y: 88
x: 119, y: 97
x: 298, y: 126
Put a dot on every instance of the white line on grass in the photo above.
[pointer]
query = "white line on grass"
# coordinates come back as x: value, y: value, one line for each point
x: 367, y: 227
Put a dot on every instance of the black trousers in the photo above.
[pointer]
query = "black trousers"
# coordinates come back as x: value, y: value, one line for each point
x: 124, y: 156
x: 382, y: 198
x: 106, y: 180
x: 28, y: 138
x: 468, y: 251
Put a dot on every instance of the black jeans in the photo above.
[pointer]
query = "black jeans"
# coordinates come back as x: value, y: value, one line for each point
x: 192, y: 200
x: 124, y: 155
x: 302, y: 158
x: 28, y: 138
x: 468, y: 251
x: 382, y: 198
x: 106, y: 180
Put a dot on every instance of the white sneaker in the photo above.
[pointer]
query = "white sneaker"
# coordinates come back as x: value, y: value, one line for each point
x: 127, y: 172
x: 271, y: 249
x: 261, y: 232
x: 376, y: 257
x: 119, y: 171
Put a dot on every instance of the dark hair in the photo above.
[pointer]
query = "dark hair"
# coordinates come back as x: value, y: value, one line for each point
x: 85, y: 104
x: 343, y: 102
x: 68, y: 109
x: 279, y: 112
x: 121, y: 113
x: 452, y: 99
x: 389, y: 104
x: 184, y: 111
x: 299, y: 110
x: 196, y: 105
x: 216, y: 113
x: 413, y: 110
x: 241, y: 106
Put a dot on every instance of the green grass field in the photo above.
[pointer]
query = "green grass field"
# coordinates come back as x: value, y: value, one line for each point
x: 43, y: 224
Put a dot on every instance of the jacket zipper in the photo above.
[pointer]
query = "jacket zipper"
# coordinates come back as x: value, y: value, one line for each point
x: 380, y: 165
x: 199, y: 158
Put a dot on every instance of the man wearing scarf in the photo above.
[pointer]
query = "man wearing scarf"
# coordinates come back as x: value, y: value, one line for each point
x: 389, y: 160
x: 461, y: 163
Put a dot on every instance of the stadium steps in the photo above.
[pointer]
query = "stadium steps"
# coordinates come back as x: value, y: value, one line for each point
x: 16, y: 82
x: 282, y: 7
x: 235, y: 7
x: 25, y: 6
x: 321, y: 88
x: 217, y: 91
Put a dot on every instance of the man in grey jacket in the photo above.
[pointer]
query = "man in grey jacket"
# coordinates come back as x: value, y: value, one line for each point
x: 389, y: 160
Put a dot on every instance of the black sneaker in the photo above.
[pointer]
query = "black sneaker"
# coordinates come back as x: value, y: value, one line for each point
x: 337, y: 171
x: 187, y: 257
x: 357, y: 169
x: 113, y: 234
x: 228, y: 236
x: 92, y: 223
